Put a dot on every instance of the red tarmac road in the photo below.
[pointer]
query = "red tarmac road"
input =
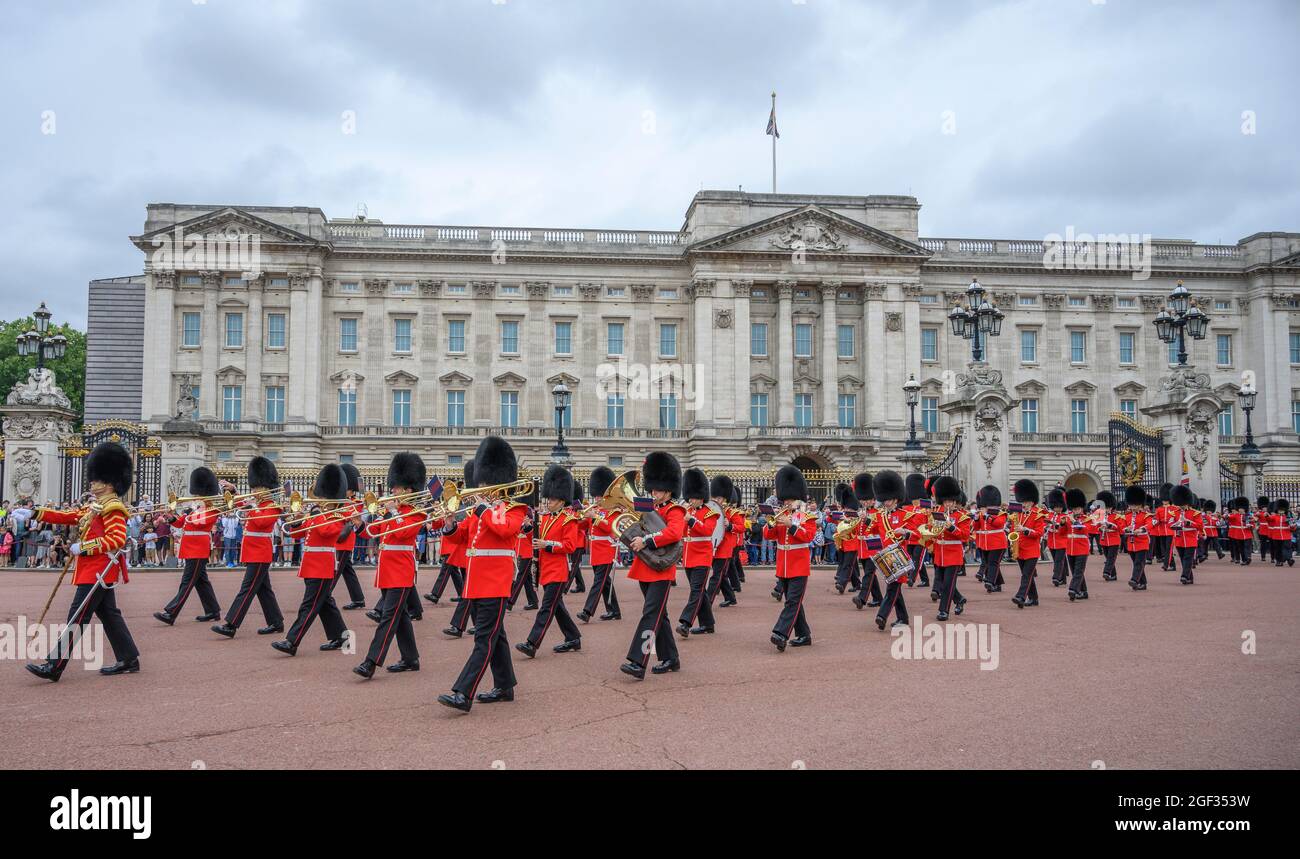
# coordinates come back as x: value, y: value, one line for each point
x: 1156, y: 679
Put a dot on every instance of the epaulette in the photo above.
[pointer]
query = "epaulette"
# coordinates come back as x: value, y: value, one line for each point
x: 114, y: 505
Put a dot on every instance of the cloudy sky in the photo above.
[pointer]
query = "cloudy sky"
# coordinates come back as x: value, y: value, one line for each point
x: 1006, y: 119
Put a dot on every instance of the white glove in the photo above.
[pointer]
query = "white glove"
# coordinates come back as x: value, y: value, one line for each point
x: 75, y: 548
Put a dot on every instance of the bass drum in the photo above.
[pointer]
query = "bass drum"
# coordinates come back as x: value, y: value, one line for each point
x: 659, y: 558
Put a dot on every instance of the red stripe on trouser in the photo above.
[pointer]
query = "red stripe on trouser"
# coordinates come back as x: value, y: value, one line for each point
x: 704, y: 587
x: 80, y: 621
x: 658, y: 619
x: 797, y: 609
x: 549, y: 617
x: 392, y: 622
x: 952, y: 586
x: 248, y: 596
x: 312, y: 613
x: 194, y: 578
x: 492, y: 643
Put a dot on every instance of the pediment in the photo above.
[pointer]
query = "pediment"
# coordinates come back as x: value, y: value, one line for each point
x: 401, y: 377
x: 571, y: 382
x: 508, y: 379
x: 932, y: 385
x: 1227, y: 391
x: 230, y: 370
x: 1031, y: 386
x: 230, y: 222
x: 347, y: 376
x: 1131, y: 389
x: 814, y: 231
x: 456, y: 377
x: 1081, y: 388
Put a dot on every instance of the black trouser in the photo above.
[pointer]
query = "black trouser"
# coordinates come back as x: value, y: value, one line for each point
x: 1281, y: 552
x: 1060, y: 567
x: 490, y: 648
x: 1110, y: 553
x: 917, y: 554
x: 102, y: 603
x: 719, y: 581
x: 317, y: 599
x: 1187, y: 555
x: 736, y: 570
x: 698, y: 603
x: 1241, y: 550
x: 870, y: 583
x: 1028, y: 590
x: 792, y: 622
x: 575, y: 582
x: 602, y: 585
x: 553, y: 608
x: 523, y: 581
x: 991, y: 569
x: 847, y: 570
x: 653, y: 627
x: 945, y: 582
x: 394, y: 621
x: 1077, y: 564
x: 1265, y: 546
x: 1165, y: 551
x: 256, y: 583
x: 194, y: 577
x: 455, y: 574
x: 349, y: 575
x: 1139, y: 566
x: 460, y: 616
x: 893, y: 601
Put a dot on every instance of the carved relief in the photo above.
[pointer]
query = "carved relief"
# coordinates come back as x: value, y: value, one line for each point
x: 1053, y: 300
x: 589, y: 291
x: 298, y: 282
x: 376, y: 287
x: 874, y: 291
x: 809, y: 235
x: 31, y: 427
x: 643, y: 291
x: 1103, y: 301
x: 893, y: 322
x: 741, y: 288
x: 1152, y: 303
x: 785, y: 289
x: 186, y: 402
x: 537, y: 288
x: 164, y: 280
x: 1184, y: 379
x: 430, y: 288
x: 26, y: 480
x: 979, y: 375
x: 39, y: 390
x: 484, y: 288
x: 177, y: 481
x: 988, y: 434
x: 702, y: 289
x: 1200, y: 428
x: 911, y: 291
x: 722, y: 319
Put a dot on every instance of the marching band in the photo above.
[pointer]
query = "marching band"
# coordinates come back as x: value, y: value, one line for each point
x: 501, y: 536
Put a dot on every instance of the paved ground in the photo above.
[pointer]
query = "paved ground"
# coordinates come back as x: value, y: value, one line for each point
x: 1154, y: 679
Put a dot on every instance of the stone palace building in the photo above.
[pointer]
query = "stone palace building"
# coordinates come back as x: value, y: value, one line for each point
x: 769, y: 328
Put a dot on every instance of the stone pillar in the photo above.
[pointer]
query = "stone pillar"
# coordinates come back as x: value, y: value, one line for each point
x: 873, y: 340
x: 701, y: 373
x: 36, y: 416
x: 1187, y: 411
x: 184, y: 448
x: 302, y: 340
x: 785, y: 354
x: 159, y: 346
x: 830, y: 354
x: 1252, y: 473
x: 254, y: 342
x: 978, y: 411
x: 214, y: 341
x: 740, y: 350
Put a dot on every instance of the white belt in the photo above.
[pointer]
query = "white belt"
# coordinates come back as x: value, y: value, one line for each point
x: 259, y: 533
x: 392, y: 547
x: 948, y: 543
x: 322, y: 549
x: 788, y: 546
x: 602, y: 539
x: 196, y: 534
x: 995, y: 531
x: 492, y: 553
x: 697, y: 540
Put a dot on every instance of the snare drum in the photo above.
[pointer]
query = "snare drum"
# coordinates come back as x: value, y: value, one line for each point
x: 894, y: 563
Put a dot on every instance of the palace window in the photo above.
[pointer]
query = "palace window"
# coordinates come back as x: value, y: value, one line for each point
x: 1225, y: 421
x: 803, y: 410
x: 402, y: 335
x: 234, y: 331
x: 194, y: 390
x: 191, y: 333
x: 844, y: 340
x: 457, y: 289
x: 616, y: 291
x: 564, y: 338
x: 1078, y: 416
x: 1173, y: 351
x: 616, y: 462
x: 1077, y: 301
x: 803, y: 340
x: 614, y: 411
x: 668, y: 411
x: 1129, y: 409
x: 1126, y: 342
x: 758, y: 410
x: 1078, y: 347
x: 848, y: 404
x: 1220, y: 304
x: 668, y: 340
x: 401, y: 408
x: 668, y: 293
x: 275, y: 404
x: 930, y: 414
x: 563, y: 291
x: 232, y: 402
x: 348, y: 334
x: 1028, y: 346
x: 347, y: 407
x: 614, y: 338
x: 1029, y: 415
x: 1223, y: 351
x: 276, y: 331
x: 758, y: 340
x: 1295, y: 347
x: 509, y: 337
x: 510, y: 289
x: 509, y: 408
x: 929, y: 344
x: 1295, y: 416
x: 403, y: 288
x: 455, y: 408
x: 1027, y: 300
x: 456, y: 335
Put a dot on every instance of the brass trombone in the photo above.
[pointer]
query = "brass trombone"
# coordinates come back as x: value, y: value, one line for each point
x: 278, y: 495
x: 225, y: 499
x: 300, y: 511
x: 453, y: 504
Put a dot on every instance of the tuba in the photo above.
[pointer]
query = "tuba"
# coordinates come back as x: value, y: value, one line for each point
x: 628, y: 523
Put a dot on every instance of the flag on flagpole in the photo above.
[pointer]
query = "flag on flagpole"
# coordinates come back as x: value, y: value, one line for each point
x: 1186, y: 479
x: 771, y: 123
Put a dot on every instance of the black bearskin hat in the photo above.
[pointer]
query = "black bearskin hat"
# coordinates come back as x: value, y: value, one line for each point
x: 1135, y: 495
x: 558, y: 484
x: 1108, y: 498
x: 1261, y: 501
x: 695, y: 484
x: 1075, y: 498
x: 735, y: 497
x: 1026, y: 491
x: 946, y: 488
x: 1056, y: 498
x: 862, y: 490
x: 1241, y: 503
x: 407, y: 471
x: 110, y: 463
x: 1166, y: 490
x: 721, y: 487
x: 331, y: 483
x: 661, y: 471
x: 1283, y: 506
x: 790, y: 485
x: 917, y: 487
x: 353, y: 475
x: 577, y: 492
x: 601, y: 477
x: 1210, y: 506
x: 203, y: 482
x: 886, y: 485
x: 495, y: 462
x: 844, y: 495
x: 1181, y: 496
x: 262, y: 474
x: 988, y: 496
x: 467, y: 472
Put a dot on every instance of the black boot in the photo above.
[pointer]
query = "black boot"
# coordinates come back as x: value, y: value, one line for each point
x: 527, y: 648
x: 365, y: 669
x: 126, y: 666
x: 666, y: 666
x: 272, y: 629
x: 456, y: 701
x: 336, y: 644
x: 631, y: 669
x: 285, y: 646
x: 225, y: 629
x: 165, y: 617
x: 568, y: 646
x: 404, y: 665
x: 494, y: 695
x: 44, y: 670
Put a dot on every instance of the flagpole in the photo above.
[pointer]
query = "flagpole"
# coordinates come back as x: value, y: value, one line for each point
x: 774, y: 145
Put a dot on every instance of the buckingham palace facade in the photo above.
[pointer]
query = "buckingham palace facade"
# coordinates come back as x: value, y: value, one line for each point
x: 770, y: 328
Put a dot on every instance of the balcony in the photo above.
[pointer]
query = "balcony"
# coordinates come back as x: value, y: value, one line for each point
x: 1087, y: 254
x: 542, y: 239
x: 1059, y: 438
x: 504, y: 432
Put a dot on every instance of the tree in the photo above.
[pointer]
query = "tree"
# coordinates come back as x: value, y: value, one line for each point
x: 69, y: 371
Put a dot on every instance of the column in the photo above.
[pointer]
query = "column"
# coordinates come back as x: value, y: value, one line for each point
x: 213, y: 343
x: 641, y: 401
x: 157, y: 402
x: 874, y: 365
x: 784, y: 358
x: 911, y: 293
x: 740, y: 351
x: 312, y: 351
x: 830, y: 354
x: 300, y: 344
x: 539, y: 343
x: 254, y: 341
x: 702, y: 356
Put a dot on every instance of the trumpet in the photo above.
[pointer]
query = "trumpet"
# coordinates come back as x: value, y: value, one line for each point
x: 278, y: 495
x: 331, y: 509
x: 418, y: 499
x: 226, y: 499
x: 468, y: 499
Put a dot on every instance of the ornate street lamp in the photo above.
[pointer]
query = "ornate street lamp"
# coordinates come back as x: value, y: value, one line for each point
x: 37, y: 343
x: 562, y: 396
x: 1246, y: 399
x: 912, y: 390
x: 1180, y: 319
x: 977, y: 320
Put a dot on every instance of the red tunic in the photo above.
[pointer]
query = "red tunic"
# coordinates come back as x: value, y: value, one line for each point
x: 1237, y: 527
x: 105, y: 535
x: 1138, y: 525
x: 731, y: 534
x: 949, y: 548
x: 560, y: 536
x: 699, y: 537
x: 456, y: 544
x: 319, y: 550
x: 1076, y: 535
x: 868, y: 525
x: 990, y: 531
x: 259, y: 525
x: 1160, y: 520
x: 196, y: 533
x: 348, y: 543
x: 1058, y: 528
x: 1109, y: 534
x: 525, y: 543
x: 603, y: 546
x: 793, y: 553
x: 396, y: 535
x: 1034, y: 521
x: 493, y: 538
x: 674, y: 516
x: 1187, y: 525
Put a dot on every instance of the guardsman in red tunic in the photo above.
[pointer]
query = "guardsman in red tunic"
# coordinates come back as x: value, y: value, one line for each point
x: 949, y: 546
x: 260, y: 513
x: 555, y: 538
x: 918, y: 511
x: 1109, y: 526
x: 492, y: 553
x: 452, y: 539
x: 396, y: 567
x: 1239, y: 533
x: 1077, y: 544
x: 724, y: 498
x: 846, y: 520
x: 194, y: 549
x: 1185, y: 525
x: 1210, y: 522
x: 1261, y: 525
x: 1029, y: 525
x: 793, y: 531
x: 1057, y: 535
x: 990, y: 537
x: 1161, y: 528
x: 868, y: 541
x: 526, y: 565
x: 576, y: 584
x: 890, y: 529
x: 1281, y: 534
x: 603, y: 549
x: 702, y: 523
x: 1137, y: 528
x: 661, y: 476
x: 348, y: 542
x: 100, y: 564
x: 319, y: 568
